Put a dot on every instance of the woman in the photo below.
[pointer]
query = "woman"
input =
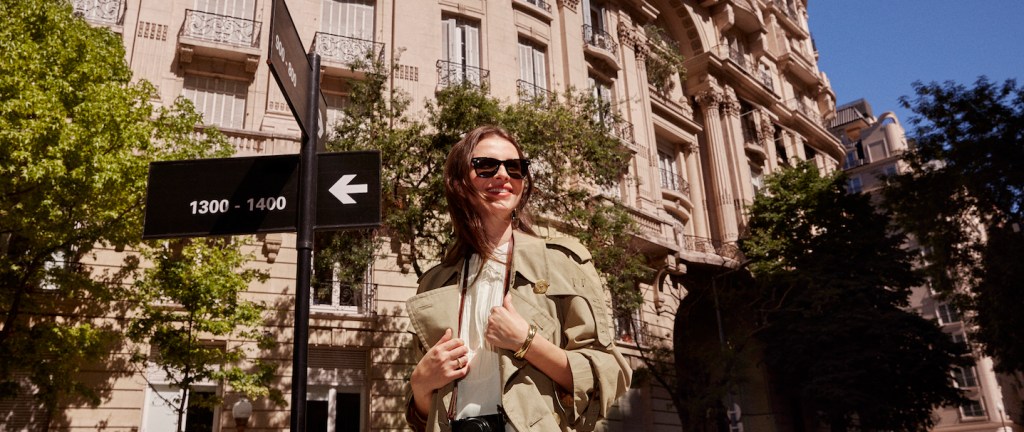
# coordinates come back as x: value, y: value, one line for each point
x: 513, y: 329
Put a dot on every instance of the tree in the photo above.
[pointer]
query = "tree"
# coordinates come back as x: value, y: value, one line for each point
x: 832, y: 284
x: 76, y: 137
x: 188, y: 300
x: 963, y: 201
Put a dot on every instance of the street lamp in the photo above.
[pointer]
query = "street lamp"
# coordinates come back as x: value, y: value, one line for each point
x: 241, y: 411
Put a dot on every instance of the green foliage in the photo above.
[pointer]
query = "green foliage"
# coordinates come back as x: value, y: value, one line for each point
x: 570, y: 148
x: 189, y: 300
x: 664, y: 61
x: 963, y: 201
x: 831, y: 279
x: 76, y: 137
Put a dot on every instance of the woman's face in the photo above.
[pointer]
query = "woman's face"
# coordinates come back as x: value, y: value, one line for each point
x: 499, y: 195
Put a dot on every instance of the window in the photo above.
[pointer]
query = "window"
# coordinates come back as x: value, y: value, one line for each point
x: 532, y: 71
x: 854, y: 185
x: 959, y: 338
x: 877, y: 151
x: 232, y: 8
x: 336, y: 104
x: 222, y: 101
x: 670, y: 178
x: 947, y: 314
x: 594, y: 16
x: 349, y: 18
x: 965, y: 377
x: 757, y: 178
x: 341, y: 281
x: 630, y: 328
x: 460, y: 45
x: 336, y: 398
x: 851, y: 159
x: 602, y: 92
x: 972, y: 408
x: 160, y: 413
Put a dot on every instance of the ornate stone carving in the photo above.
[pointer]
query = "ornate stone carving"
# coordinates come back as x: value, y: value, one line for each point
x: 569, y: 4
x: 271, y: 246
x: 709, y: 99
x: 729, y: 107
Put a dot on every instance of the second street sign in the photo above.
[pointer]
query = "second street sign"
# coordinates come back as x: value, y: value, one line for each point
x: 249, y: 195
x: 291, y: 69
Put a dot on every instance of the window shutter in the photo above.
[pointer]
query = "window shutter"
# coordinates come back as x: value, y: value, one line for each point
x: 472, y: 35
x: 448, y: 39
x: 525, y: 63
x: 586, y: 13
x: 540, y: 69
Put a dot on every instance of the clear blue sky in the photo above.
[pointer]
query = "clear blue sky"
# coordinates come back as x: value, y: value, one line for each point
x: 875, y: 49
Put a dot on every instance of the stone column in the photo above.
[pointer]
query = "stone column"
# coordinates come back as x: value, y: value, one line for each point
x: 719, y: 195
x: 698, y: 215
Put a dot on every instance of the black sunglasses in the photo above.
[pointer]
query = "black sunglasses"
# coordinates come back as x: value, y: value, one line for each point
x: 487, y: 167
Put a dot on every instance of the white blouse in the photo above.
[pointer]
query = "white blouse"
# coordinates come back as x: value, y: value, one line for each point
x: 480, y: 390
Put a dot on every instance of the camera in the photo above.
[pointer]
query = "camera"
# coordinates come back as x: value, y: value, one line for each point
x: 489, y: 423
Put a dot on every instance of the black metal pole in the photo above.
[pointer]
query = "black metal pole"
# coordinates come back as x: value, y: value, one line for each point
x: 304, y: 247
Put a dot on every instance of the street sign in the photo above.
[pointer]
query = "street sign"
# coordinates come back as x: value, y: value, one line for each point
x: 348, y: 190
x: 259, y: 194
x: 291, y: 69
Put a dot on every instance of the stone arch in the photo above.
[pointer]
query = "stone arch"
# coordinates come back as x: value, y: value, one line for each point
x: 684, y: 25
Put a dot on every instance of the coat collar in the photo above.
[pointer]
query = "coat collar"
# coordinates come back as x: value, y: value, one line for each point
x: 527, y: 260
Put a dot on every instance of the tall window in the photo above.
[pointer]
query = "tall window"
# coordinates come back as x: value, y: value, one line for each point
x: 232, y: 8
x: 532, y: 71
x: 972, y: 408
x: 349, y: 18
x: 947, y: 313
x: 342, y: 281
x: 602, y: 91
x: 336, y: 399
x: 670, y: 178
x: 460, y: 45
x: 161, y: 415
x: 965, y: 377
x: 595, y: 15
x: 854, y: 185
x: 336, y: 104
x: 222, y: 101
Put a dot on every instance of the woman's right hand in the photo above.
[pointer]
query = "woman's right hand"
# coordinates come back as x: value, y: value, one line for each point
x: 443, y: 363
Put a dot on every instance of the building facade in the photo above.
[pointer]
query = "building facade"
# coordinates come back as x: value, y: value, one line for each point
x: 752, y: 100
x: 873, y: 147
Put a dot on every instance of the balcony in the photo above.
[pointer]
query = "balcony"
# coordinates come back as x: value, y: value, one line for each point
x: 621, y: 129
x: 800, y: 64
x: 101, y: 12
x: 344, y: 53
x: 798, y: 106
x: 540, y: 9
x: 599, y: 44
x: 631, y: 330
x: 532, y: 93
x: 219, y: 36
x: 744, y: 66
x: 708, y: 246
x: 674, y: 183
x: 453, y: 74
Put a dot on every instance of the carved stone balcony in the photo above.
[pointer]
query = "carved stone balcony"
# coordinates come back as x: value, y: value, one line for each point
x: 346, y: 53
x: 601, y: 45
x: 708, y: 246
x: 101, y: 12
x: 452, y: 74
x: 219, y: 36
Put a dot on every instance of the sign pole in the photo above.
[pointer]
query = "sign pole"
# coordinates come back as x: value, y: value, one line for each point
x: 304, y: 247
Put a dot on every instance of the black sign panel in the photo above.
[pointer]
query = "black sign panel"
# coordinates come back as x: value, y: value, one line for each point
x: 259, y: 194
x: 291, y: 69
x: 348, y: 190
x: 243, y: 195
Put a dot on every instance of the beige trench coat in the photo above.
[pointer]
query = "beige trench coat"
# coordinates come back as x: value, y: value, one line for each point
x: 557, y: 288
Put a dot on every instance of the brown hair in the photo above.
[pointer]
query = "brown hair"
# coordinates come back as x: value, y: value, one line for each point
x: 470, y: 236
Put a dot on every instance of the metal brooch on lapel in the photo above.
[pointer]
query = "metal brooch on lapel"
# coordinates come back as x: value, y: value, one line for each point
x: 541, y: 286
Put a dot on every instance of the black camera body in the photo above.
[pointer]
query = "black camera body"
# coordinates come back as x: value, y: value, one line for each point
x: 488, y: 423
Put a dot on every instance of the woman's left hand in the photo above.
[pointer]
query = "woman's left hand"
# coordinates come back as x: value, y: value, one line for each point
x: 505, y: 327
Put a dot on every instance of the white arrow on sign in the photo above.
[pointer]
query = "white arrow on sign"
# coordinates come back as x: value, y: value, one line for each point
x: 342, y: 188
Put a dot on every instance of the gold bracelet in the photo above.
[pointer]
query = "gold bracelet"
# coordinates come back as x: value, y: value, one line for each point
x: 521, y: 354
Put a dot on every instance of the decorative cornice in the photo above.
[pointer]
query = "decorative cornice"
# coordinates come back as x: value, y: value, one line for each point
x: 569, y: 4
x: 730, y: 107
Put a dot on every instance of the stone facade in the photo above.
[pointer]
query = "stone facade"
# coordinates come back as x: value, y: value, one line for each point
x: 752, y: 100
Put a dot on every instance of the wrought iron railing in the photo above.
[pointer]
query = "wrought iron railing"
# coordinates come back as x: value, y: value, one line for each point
x: 347, y: 50
x: 599, y: 38
x: 798, y: 105
x: 539, y: 3
x: 110, y: 12
x: 766, y: 79
x: 532, y: 93
x: 452, y: 73
x: 221, y: 28
x: 354, y: 298
x: 674, y: 182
